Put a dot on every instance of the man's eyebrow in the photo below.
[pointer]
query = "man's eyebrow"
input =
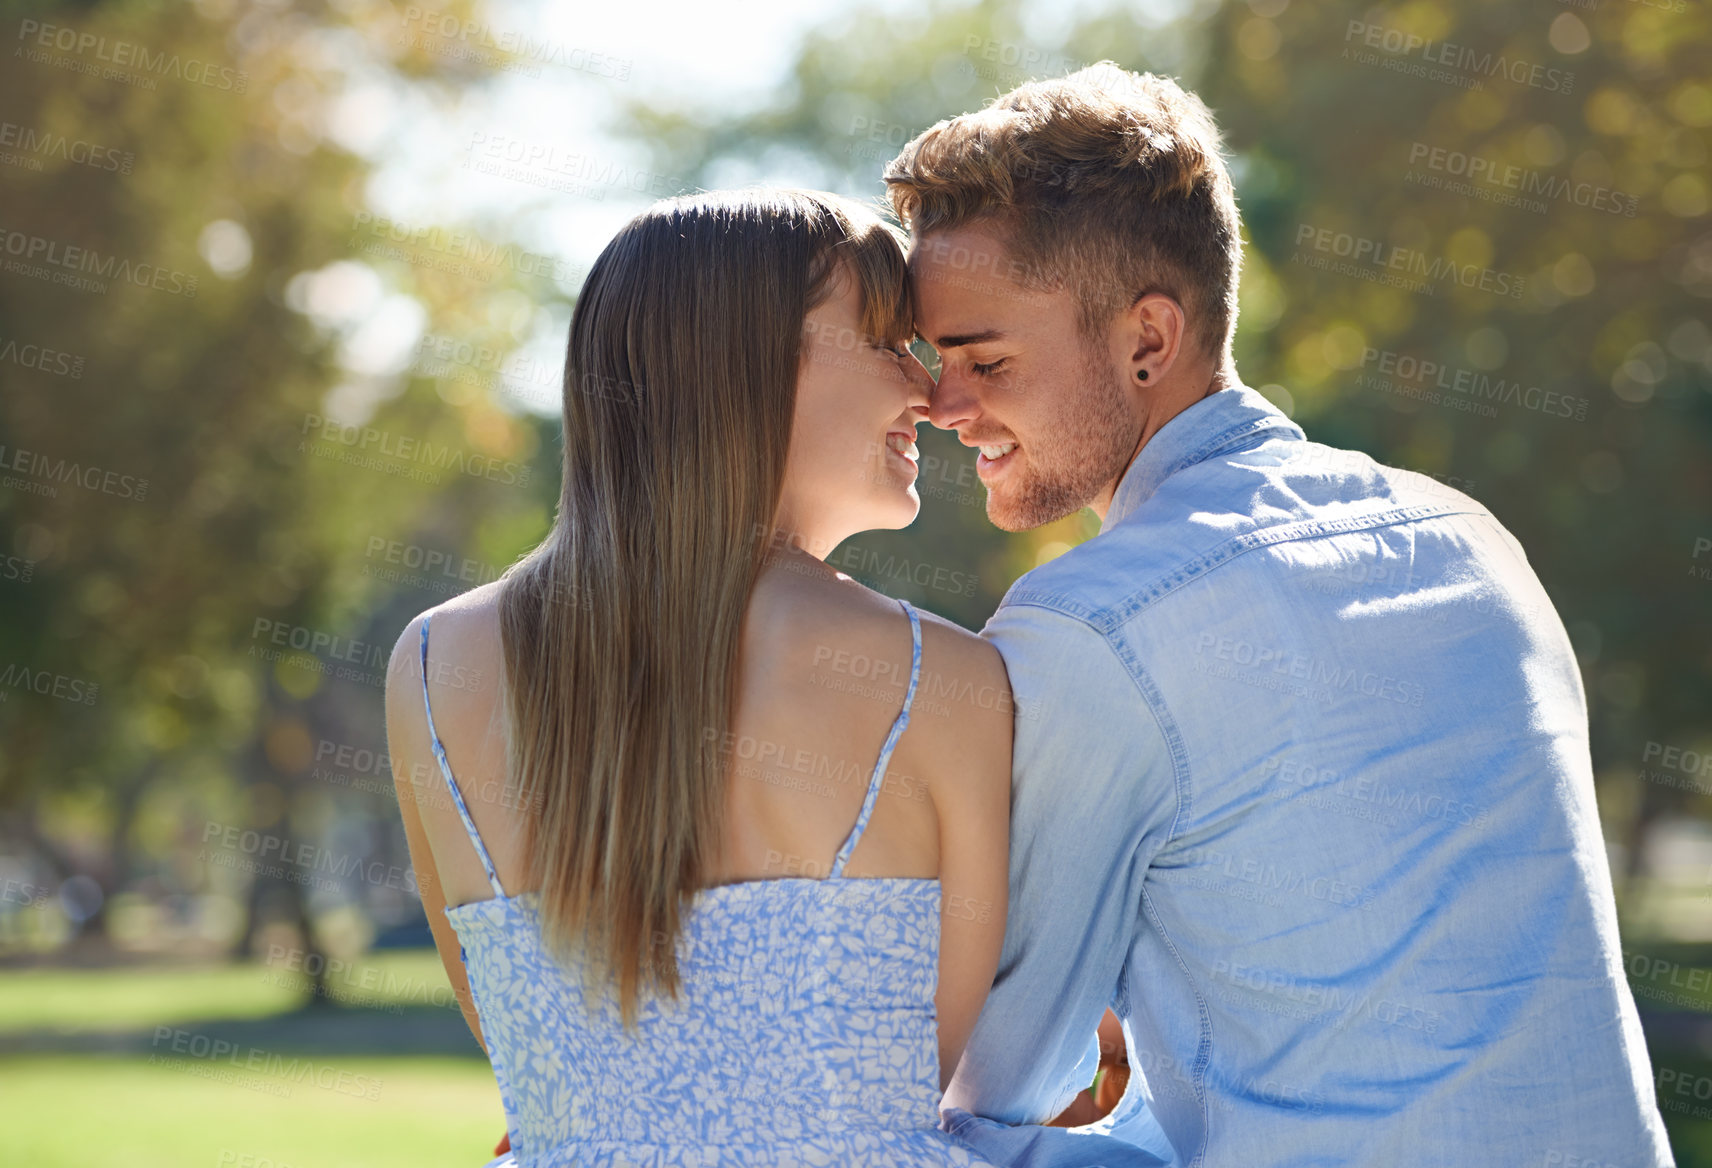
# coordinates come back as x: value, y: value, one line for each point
x: 958, y: 340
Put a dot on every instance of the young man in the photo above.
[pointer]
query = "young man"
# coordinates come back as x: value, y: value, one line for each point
x: 1302, y: 783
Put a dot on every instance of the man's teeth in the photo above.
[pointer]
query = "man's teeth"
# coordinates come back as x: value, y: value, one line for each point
x: 904, y: 446
x: 994, y: 453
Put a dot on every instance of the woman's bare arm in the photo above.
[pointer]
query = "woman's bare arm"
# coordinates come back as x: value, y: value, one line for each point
x: 416, y: 775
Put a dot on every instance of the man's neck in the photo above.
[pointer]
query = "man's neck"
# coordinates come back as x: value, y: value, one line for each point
x: 1162, y: 412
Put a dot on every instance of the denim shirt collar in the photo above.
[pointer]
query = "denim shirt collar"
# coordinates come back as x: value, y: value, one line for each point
x: 1222, y: 421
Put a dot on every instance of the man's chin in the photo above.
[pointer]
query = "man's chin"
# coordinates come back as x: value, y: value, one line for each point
x: 1008, y: 513
x: 1004, y: 522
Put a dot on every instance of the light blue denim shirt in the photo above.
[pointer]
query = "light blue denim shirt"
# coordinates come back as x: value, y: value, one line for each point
x: 1302, y: 790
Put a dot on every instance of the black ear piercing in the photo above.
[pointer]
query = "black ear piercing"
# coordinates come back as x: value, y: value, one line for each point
x: 1141, y: 375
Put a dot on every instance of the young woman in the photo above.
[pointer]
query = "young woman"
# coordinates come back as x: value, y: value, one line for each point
x: 716, y: 835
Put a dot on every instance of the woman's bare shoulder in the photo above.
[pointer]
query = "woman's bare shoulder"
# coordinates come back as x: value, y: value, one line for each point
x: 858, y: 641
x: 964, y: 710
x: 465, y: 666
x: 463, y: 625
x: 971, y: 664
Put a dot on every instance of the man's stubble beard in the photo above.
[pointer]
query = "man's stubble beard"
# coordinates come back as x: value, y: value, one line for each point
x: 1097, y: 434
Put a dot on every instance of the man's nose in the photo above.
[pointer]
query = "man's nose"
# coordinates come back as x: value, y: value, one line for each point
x: 953, y: 400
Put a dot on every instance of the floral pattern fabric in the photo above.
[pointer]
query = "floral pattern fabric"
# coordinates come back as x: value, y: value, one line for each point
x: 803, y: 1034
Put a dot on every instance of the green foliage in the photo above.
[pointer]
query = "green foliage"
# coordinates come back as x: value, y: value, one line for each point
x: 209, y: 461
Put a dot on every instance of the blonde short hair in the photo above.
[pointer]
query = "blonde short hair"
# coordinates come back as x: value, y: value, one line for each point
x: 1105, y: 181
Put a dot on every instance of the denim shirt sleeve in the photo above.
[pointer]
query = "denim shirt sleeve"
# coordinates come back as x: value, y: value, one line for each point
x: 1090, y: 777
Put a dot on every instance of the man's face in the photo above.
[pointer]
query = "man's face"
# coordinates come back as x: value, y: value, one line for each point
x: 1050, y: 412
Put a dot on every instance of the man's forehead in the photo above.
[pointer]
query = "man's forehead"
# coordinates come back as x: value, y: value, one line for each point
x: 968, y: 288
x: 973, y: 247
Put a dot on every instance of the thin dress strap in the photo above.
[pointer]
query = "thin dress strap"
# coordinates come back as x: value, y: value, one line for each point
x: 875, y: 782
x: 451, y: 784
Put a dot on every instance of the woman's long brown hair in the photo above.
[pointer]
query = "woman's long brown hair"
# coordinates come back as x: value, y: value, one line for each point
x: 621, y: 630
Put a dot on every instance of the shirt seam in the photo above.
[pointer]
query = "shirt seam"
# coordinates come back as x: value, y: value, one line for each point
x: 1154, y: 703
x: 1142, y: 681
x: 1204, y: 1048
x: 1148, y: 692
x: 1106, y: 619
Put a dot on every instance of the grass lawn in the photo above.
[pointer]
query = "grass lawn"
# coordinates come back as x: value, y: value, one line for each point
x: 265, y: 1108
x: 96, y: 1111
x: 137, y: 996
x: 85, y: 1081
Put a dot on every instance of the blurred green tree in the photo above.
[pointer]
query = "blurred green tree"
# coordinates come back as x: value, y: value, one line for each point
x: 222, y: 428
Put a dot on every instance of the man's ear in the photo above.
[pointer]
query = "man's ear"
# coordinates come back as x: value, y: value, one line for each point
x: 1153, y: 328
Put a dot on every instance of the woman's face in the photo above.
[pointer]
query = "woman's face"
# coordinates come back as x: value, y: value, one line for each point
x: 852, y: 461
